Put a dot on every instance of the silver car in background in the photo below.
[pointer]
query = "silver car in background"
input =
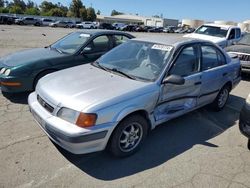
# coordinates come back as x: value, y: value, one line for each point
x: 114, y: 102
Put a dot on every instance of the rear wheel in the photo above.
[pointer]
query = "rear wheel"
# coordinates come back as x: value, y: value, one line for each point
x: 128, y: 136
x: 221, y: 99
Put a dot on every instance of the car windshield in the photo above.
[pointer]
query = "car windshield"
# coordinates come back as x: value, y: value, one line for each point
x: 213, y: 31
x: 245, y: 40
x: 137, y: 60
x: 71, y: 43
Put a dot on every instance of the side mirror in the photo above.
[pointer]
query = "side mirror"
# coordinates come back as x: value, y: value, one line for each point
x: 86, y: 50
x: 174, y: 79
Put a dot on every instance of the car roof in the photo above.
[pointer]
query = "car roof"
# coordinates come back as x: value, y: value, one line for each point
x: 169, y: 40
x: 103, y: 32
x: 220, y: 25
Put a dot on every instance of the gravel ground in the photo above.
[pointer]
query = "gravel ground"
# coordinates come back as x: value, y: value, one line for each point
x: 200, y: 149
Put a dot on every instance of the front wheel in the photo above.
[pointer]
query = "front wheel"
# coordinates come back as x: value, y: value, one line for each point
x: 128, y: 136
x: 221, y: 99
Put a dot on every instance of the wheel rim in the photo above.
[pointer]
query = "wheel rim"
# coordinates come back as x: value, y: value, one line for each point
x: 130, y: 137
x: 223, y: 98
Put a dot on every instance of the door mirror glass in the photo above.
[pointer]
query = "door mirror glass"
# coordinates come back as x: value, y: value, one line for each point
x: 86, y: 50
x: 174, y: 79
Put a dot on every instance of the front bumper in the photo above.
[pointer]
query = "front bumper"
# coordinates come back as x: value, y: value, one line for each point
x: 245, y: 67
x: 70, y: 137
x: 244, y: 124
x: 9, y: 84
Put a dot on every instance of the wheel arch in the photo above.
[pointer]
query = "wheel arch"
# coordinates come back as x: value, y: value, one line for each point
x: 41, y: 74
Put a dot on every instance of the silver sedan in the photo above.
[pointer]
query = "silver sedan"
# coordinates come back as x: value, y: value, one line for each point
x: 115, y: 101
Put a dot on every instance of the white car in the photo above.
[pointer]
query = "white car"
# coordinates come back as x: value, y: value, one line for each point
x: 86, y: 25
x: 46, y: 21
x: 222, y: 35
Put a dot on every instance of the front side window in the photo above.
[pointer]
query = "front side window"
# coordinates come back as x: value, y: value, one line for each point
x: 187, y: 62
x: 232, y: 34
x: 100, y: 44
x: 71, y: 43
x: 238, y: 33
x: 140, y: 60
x: 211, y: 57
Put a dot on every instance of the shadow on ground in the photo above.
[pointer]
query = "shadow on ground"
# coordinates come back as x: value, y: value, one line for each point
x: 164, y: 143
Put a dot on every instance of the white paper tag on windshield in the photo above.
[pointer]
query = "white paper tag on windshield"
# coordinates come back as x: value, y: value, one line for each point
x: 162, y: 47
x: 84, y: 35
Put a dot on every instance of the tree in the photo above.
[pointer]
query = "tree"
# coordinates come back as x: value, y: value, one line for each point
x: 46, y: 6
x: 98, y: 12
x: 75, y: 7
x: 83, y: 13
x: 19, y: 3
x: 30, y: 4
x: 114, y: 12
x: 1, y: 3
x: 32, y: 11
x: 91, y: 16
x: 4, y: 10
x: 57, y: 12
x: 16, y: 10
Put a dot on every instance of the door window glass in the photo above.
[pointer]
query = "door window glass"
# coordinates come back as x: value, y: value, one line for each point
x: 211, y: 57
x: 187, y: 62
x: 119, y: 39
x: 232, y: 34
x: 100, y: 44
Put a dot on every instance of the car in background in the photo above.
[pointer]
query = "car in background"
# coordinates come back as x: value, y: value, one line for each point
x: 6, y: 20
x: 46, y: 21
x: 222, y: 35
x: 242, y: 50
x: 28, y: 21
x: 106, y: 26
x: 114, y: 102
x: 71, y: 24
x: 119, y: 26
x: 156, y: 30
x: 130, y: 28
x: 86, y: 25
x: 64, y: 24
x: 21, y: 71
x: 169, y: 29
x: 244, y: 123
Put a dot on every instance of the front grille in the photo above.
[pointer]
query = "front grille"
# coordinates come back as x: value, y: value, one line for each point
x: 45, y: 104
x: 244, y: 57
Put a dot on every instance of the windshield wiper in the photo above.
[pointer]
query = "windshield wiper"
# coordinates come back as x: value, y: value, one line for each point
x: 60, y: 51
x: 123, y: 73
x: 97, y: 64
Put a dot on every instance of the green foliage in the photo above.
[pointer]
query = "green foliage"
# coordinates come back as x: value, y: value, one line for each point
x: 46, y: 6
x: 75, y: 8
x: 114, y: 12
x: 30, y: 4
x: 57, y: 12
x: 98, y: 12
x: 32, y: 11
x: 4, y: 10
x: 1, y: 3
x: 83, y: 13
x: 15, y: 10
x: 19, y: 3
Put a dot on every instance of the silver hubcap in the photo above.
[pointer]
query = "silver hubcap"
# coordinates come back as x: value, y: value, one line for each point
x: 223, y: 98
x: 130, y: 137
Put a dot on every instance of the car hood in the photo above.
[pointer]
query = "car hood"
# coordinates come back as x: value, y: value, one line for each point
x: 87, y: 88
x: 239, y: 48
x: 206, y: 37
x: 29, y: 56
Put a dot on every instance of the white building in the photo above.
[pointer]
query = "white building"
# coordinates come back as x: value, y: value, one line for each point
x: 134, y: 19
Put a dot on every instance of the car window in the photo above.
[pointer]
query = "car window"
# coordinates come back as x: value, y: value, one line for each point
x: 119, y: 39
x: 211, y: 57
x: 187, y: 62
x: 238, y: 33
x: 232, y: 34
x: 100, y: 44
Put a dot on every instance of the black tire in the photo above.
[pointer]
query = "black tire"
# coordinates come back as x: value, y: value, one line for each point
x: 134, y: 138
x: 40, y: 75
x: 248, y: 144
x: 91, y: 27
x: 21, y: 23
x: 37, y: 24
x: 221, y: 99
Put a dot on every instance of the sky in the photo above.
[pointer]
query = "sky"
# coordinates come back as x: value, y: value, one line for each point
x: 208, y: 10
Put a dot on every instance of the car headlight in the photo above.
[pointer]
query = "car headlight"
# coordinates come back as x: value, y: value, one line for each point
x: 2, y: 70
x: 7, y: 72
x: 78, y: 118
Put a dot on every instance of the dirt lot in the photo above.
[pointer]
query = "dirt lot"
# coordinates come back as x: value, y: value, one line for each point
x: 200, y: 149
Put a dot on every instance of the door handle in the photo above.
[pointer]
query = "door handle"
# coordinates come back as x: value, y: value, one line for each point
x: 197, y: 83
x: 224, y: 74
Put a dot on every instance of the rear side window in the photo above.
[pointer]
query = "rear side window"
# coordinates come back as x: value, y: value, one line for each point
x: 238, y: 33
x: 187, y: 62
x: 232, y: 34
x: 119, y: 39
x: 211, y: 57
x: 101, y: 44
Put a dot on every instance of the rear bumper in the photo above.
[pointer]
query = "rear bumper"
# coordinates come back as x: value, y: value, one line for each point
x: 70, y: 137
x: 244, y: 123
